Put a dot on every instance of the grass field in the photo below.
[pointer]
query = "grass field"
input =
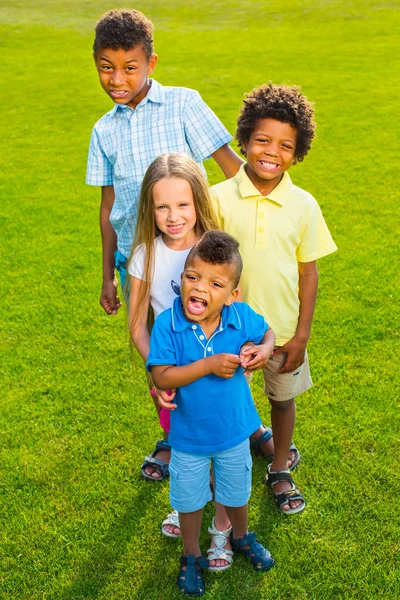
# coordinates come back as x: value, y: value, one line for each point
x: 77, y: 522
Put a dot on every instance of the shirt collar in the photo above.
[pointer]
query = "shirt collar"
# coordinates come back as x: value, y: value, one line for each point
x: 249, y: 190
x: 229, y: 316
x: 155, y: 94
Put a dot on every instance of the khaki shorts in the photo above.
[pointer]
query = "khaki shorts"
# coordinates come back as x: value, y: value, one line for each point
x: 285, y: 386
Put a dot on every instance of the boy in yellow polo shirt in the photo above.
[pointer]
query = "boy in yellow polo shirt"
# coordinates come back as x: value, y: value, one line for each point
x: 282, y: 233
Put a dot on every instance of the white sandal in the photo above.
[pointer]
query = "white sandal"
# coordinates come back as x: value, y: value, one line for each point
x: 172, y: 519
x: 219, y: 552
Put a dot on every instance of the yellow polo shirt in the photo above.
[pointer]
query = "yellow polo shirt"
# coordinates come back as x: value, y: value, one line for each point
x: 275, y: 233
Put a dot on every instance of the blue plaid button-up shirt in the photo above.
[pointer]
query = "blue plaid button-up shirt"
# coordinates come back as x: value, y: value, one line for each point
x: 125, y: 141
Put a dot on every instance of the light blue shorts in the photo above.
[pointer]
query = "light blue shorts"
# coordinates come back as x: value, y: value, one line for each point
x: 190, y: 478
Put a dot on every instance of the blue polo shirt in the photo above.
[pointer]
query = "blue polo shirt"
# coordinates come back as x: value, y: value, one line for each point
x: 213, y: 413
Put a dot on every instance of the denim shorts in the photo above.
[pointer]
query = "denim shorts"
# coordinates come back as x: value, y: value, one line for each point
x: 190, y: 478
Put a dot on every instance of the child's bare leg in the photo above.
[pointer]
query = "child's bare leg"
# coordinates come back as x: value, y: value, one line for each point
x: 190, y: 528
x: 222, y: 523
x: 283, y: 418
x: 239, y: 518
x: 164, y: 455
x: 258, y: 555
x: 268, y: 448
x: 190, y: 525
x: 221, y: 520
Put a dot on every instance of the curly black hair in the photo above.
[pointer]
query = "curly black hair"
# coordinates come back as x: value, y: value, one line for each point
x: 218, y: 247
x: 283, y: 103
x: 124, y: 28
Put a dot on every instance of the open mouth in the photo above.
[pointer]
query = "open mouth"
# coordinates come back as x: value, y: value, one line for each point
x: 196, y: 306
x: 118, y: 93
x: 269, y: 166
x: 175, y: 228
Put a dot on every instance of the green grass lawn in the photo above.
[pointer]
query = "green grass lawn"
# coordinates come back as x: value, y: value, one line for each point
x: 77, y: 522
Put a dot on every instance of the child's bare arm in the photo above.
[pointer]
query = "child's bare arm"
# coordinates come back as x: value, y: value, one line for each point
x: 170, y: 376
x: 308, y: 288
x: 254, y: 356
x: 228, y: 161
x: 141, y: 338
x: 138, y: 310
x: 108, y: 298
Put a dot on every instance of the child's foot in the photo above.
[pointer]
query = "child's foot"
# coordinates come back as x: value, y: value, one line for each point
x: 155, y: 466
x: 190, y: 580
x: 282, y: 487
x: 171, y: 526
x: 288, y: 498
x: 267, y: 447
x: 259, y: 556
x: 153, y: 470
x: 220, y: 552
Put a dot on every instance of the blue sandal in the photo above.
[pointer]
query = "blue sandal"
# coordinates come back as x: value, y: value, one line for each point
x: 162, y: 466
x: 191, y: 582
x: 259, y: 556
x: 255, y: 444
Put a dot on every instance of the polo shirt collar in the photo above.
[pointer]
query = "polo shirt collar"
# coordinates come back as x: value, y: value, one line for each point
x: 229, y: 316
x: 248, y: 189
x: 155, y: 94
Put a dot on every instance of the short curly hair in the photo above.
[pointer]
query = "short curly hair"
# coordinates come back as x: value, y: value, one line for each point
x: 124, y: 28
x: 283, y: 103
x: 218, y: 248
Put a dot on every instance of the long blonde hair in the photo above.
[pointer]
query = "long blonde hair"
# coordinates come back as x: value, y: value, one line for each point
x: 166, y: 166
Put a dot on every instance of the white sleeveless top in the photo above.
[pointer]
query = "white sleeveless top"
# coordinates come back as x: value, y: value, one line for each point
x: 168, y: 267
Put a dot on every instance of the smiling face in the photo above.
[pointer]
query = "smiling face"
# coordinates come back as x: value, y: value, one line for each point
x: 205, y: 289
x: 175, y: 213
x: 270, y: 152
x: 124, y: 74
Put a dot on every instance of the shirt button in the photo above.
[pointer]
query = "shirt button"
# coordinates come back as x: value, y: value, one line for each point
x: 261, y: 230
x: 261, y: 216
x: 201, y: 337
x: 194, y: 327
x: 209, y: 349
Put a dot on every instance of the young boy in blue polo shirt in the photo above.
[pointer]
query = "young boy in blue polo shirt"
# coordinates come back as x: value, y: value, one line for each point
x: 196, y: 348
x: 147, y: 120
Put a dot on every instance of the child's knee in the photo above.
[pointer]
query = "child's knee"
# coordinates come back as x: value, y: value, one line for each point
x: 284, y: 406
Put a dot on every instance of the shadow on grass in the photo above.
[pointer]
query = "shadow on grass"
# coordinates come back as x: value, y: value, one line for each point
x: 105, y: 556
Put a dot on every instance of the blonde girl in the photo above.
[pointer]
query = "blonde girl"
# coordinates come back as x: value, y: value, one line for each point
x: 174, y: 211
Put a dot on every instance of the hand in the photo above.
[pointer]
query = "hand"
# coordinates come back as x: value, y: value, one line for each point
x: 243, y: 358
x: 108, y: 298
x: 165, y: 397
x: 254, y: 357
x: 224, y: 364
x: 295, y: 350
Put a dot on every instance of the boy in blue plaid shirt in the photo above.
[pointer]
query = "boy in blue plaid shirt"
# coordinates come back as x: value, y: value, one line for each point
x: 148, y: 119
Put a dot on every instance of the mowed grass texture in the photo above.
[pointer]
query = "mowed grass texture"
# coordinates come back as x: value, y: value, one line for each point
x: 77, y: 522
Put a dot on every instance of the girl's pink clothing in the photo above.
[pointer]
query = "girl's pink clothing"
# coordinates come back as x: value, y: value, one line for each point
x: 164, y: 419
